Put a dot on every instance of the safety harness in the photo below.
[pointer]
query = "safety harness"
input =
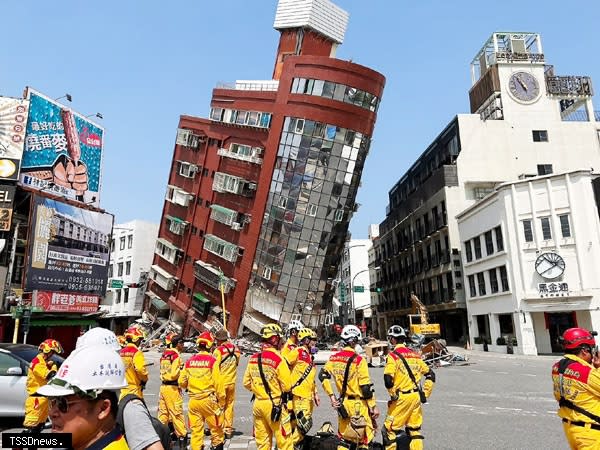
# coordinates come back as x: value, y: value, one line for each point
x: 412, y: 377
x: 304, y: 375
x: 563, y: 364
x: 230, y: 353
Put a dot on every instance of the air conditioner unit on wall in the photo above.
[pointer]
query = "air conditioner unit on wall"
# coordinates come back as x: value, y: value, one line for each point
x: 236, y: 226
x: 252, y: 186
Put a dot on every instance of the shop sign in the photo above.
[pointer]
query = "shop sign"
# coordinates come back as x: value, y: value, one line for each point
x: 553, y: 289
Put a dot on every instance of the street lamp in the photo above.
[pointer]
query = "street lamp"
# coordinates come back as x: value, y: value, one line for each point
x: 98, y: 115
x: 67, y: 96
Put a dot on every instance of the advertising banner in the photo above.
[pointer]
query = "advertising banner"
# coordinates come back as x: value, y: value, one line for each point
x: 7, y: 196
x: 69, y: 248
x: 63, y: 151
x: 66, y: 302
x: 13, y: 121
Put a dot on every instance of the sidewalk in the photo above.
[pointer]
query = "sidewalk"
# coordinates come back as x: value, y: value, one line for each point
x: 470, y: 354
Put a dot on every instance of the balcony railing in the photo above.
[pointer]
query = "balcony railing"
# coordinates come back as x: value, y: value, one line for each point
x: 211, y: 276
x: 250, y: 85
x: 248, y: 158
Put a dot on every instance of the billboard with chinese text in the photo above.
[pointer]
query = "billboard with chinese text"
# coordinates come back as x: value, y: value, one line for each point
x: 7, y: 197
x: 13, y: 121
x: 66, y: 302
x: 63, y: 151
x: 69, y: 248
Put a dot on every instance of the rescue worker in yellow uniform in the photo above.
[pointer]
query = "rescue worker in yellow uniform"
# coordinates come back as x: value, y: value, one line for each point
x: 576, y: 381
x: 401, y: 429
x: 356, y: 406
x: 42, y: 368
x: 268, y: 377
x: 304, y: 387
x: 122, y: 341
x: 291, y: 344
x: 202, y: 380
x: 136, y: 372
x: 228, y: 358
x: 170, y: 398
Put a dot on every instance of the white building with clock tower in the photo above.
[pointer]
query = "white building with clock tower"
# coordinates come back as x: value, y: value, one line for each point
x: 530, y: 261
x: 526, y: 121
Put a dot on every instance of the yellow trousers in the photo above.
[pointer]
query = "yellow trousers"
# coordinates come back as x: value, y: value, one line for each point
x: 36, y: 411
x: 228, y: 407
x: 357, y: 407
x: 170, y: 408
x: 302, y: 406
x: 265, y: 429
x: 406, y: 412
x: 582, y: 438
x: 205, y: 410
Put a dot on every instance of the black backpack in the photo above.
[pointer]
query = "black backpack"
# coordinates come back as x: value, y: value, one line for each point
x: 161, y: 429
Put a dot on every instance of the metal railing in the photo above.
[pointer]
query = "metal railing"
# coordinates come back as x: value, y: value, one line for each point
x: 267, y: 85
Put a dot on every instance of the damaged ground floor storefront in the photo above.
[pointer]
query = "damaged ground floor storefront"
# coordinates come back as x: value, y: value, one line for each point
x: 535, y: 328
x: 453, y: 322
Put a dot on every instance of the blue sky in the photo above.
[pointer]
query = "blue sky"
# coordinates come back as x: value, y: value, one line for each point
x: 142, y: 64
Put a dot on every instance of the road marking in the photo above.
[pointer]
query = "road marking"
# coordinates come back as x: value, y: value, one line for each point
x: 503, y: 373
x: 475, y: 370
x: 146, y: 394
x: 461, y: 406
x: 509, y: 409
x: 551, y: 412
x: 530, y: 374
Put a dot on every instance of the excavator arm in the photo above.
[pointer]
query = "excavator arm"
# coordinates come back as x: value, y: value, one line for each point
x: 419, y: 308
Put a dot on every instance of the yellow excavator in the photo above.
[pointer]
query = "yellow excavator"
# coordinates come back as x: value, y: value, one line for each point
x: 419, y: 319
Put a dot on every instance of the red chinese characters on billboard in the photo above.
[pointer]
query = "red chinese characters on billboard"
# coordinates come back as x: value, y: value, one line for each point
x: 67, y: 302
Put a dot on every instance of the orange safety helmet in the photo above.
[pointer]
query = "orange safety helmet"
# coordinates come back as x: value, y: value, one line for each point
x: 207, y: 339
x: 50, y: 345
x: 576, y: 337
x: 134, y: 334
x: 122, y: 341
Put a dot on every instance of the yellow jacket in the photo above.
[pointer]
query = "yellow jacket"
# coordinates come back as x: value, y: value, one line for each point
x: 201, y: 377
x: 581, y: 385
x: 289, y: 352
x: 170, y: 366
x: 228, y: 357
x: 277, y: 374
x: 307, y: 388
x: 136, y: 372
x: 395, y: 368
x: 357, y: 377
x: 37, y: 375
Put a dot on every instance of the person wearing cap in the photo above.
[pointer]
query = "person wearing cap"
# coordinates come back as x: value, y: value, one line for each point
x: 202, y: 380
x: 356, y: 404
x: 136, y: 372
x: 576, y: 383
x: 42, y: 368
x: 227, y: 357
x: 288, y: 351
x: 170, y: 397
x: 304, y: 388
x: 136, y: 422
x: 83, y: 398
x: 404, y: 415
x: 268, y: 377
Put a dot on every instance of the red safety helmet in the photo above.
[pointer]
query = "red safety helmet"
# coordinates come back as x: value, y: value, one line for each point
x: 207, y: 339
x: 50, y: 345
x: 134, y: 334
x: 576, y: 337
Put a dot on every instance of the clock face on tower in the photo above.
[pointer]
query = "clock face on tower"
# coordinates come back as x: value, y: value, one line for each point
x: 550, y: 265
x: 524, y: 87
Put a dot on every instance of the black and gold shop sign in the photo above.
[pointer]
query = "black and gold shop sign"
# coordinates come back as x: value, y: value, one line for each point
x: 7, y: 196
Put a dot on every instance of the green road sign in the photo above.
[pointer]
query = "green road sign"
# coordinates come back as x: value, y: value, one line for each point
x: 359, y: 289
x: 116, y: 284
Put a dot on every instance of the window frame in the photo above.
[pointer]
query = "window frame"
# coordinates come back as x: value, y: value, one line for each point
x: 546, y: 230
x: 528, y: 230
x: 565, y: 231
x: 481, y: 283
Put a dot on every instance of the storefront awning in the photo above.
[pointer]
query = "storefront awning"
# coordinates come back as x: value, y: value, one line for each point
x: 159, y: 304
x: 62, y: 322
x: 201, y: 298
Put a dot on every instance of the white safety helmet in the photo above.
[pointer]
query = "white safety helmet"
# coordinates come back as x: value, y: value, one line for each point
x: 350, y: 333
x: 98, y: 336
x: 396, y: 331
x: 87, y: 371
x: 294, y: 325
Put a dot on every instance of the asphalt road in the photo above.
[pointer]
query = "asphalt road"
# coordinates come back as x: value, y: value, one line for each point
x: 495, y: 402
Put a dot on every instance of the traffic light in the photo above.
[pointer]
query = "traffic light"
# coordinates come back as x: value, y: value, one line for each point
x: 377, y: 289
